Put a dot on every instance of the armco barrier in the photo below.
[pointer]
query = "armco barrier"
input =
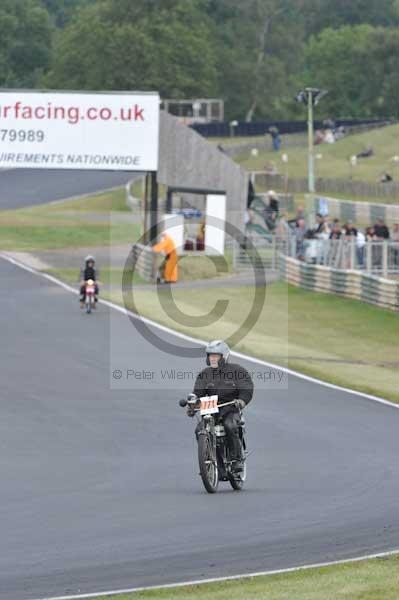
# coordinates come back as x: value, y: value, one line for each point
x: 359, y: 212
x: 350, y: 284
x: 143, y: 258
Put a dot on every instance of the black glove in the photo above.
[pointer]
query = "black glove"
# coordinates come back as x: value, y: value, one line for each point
x: 190, y: 411
x: 240, y: 404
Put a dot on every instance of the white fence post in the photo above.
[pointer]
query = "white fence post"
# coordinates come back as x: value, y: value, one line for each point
x: 385, y: 258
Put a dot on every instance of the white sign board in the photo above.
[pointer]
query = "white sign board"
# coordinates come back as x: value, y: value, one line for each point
x: 214, y: 224
x: 73, y: 130
x: 174, y: 226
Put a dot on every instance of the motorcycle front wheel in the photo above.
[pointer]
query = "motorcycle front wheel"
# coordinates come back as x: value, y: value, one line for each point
x: 237, y: 480
x: 207, y: 463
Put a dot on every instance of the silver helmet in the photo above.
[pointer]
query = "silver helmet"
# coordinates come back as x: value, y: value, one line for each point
x: 90, y: 258
x: 218, y: 347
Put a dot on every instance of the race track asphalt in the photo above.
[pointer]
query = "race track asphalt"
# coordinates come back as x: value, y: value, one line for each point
x: 27, y: 187
x: 99, y: 487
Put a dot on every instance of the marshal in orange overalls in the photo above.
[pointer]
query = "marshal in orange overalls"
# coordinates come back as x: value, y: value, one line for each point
x: 167, y: 246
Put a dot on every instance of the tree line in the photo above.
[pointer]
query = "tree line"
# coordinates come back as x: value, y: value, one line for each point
x: 255, y: 54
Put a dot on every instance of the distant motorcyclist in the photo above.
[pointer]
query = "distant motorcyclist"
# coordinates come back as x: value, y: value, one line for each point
x: 229, y: 382
x: 89, y: 271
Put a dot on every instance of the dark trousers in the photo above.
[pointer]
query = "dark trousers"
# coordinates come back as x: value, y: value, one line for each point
x: 231, y: 422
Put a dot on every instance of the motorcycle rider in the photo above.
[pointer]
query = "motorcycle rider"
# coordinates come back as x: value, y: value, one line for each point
x: 88, y: 272
x: 228, y: 381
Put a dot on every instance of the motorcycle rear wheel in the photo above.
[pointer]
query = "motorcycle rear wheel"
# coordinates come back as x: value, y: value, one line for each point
x: 207, y: 464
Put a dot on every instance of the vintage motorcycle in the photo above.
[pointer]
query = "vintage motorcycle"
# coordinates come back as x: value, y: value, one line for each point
x: 90, y: 295
x: 214, y: 459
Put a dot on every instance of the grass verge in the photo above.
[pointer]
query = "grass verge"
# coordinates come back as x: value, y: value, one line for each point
x: 108, y: 276
x: 70, y: 224
x: 339, y: 340
x: 376, y: 579
x: 335, y: 157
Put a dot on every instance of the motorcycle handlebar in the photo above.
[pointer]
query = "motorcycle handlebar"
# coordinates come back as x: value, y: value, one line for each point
x: 183, y: 402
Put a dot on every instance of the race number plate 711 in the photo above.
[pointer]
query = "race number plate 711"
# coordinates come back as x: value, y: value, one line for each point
x: 209, y: 405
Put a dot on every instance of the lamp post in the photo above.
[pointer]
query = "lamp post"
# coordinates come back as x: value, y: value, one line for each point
x: 311, y: 97
x: 233, y: 125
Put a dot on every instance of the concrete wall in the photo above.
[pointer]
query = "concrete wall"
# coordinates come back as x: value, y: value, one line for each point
x: 186, y: 159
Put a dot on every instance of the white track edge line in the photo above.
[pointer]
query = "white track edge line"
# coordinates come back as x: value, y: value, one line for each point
x: 221, y: 579
x: 231, y: 577
x: 183, y: 336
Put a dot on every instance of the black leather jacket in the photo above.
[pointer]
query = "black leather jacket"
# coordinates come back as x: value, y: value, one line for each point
x: 89, y: 273
x: 229, y: 382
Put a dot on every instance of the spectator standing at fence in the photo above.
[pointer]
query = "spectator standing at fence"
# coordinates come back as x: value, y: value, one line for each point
x: 381, y: 230
x: 273, y: 201
x: 395, y: 242
x: 300, y: 236
x: 375, y: 253
x: 323, y: 242
x: 349, y: 230
x: 360, y: 245
x: 349, y: 233
x: 300, y: 214
x: 336, y: 231
x: 283, y: 229
x: 319, y: 223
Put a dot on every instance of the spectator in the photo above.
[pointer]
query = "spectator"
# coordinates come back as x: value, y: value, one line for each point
x: 349, y: 229
x: 370, y: 234
x: 311, y: 246
x: 300, y: 214
x: 329, y: 124
x: 276, y: 139
x: 336, y: 232
x: 366, y: 153
x: 329, y: 137
x: 395, y: 240
x: 381, y: 230
x: 325, y: 231
x: 300, y: 235
x: 360, y: 244
x: 385, y: 178
x: 340, y: 133
x: 273, y: 201
x: 319, y: 223
x: 283, y: 229
x: 251, y: 193
x: 319, y: 137
x: 322, y: 246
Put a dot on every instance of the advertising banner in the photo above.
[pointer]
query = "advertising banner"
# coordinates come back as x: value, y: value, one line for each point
x: 76, y: 130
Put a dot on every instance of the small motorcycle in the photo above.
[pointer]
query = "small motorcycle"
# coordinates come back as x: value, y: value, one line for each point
x: 90, y: 296
x: 214, y: 459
